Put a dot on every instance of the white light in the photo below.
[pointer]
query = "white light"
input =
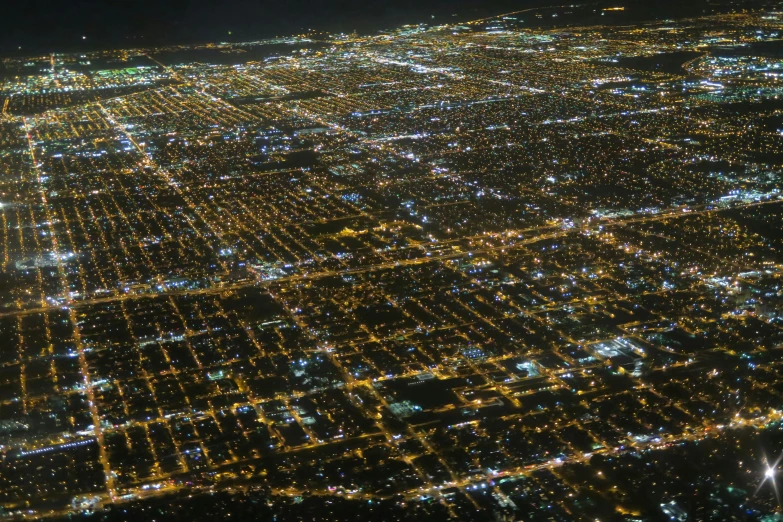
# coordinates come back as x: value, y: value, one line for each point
x: 769, y: 473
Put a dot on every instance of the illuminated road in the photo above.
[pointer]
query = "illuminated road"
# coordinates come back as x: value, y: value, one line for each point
x: 556, y: 232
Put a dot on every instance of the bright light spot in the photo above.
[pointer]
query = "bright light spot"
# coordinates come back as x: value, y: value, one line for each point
x: 769, y: 473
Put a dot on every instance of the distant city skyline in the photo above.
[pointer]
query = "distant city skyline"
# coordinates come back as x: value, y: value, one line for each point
x: 54, y: 26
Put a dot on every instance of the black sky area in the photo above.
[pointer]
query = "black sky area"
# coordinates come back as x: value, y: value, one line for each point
x: 60, y: 25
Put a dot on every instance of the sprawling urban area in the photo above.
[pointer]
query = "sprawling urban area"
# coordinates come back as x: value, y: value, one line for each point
x: 519, y: 268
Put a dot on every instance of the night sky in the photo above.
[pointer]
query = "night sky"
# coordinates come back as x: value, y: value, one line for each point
x: 58, y: 25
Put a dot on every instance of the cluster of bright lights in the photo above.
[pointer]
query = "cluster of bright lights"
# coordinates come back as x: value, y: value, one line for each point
x: 769, y: 475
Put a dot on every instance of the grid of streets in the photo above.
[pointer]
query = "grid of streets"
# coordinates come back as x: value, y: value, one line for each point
x: 418, y: 263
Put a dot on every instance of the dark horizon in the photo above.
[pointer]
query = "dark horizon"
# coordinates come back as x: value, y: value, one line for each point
x: 88, y: 25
